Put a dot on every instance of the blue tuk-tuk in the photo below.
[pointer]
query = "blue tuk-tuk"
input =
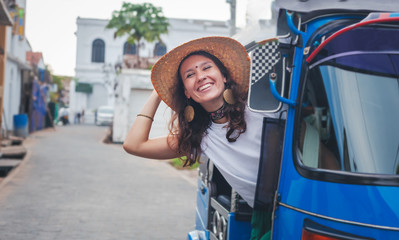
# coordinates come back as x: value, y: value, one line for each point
x: 329, y: 169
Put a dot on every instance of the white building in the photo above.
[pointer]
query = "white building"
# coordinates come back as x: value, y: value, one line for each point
x: 98, y: 54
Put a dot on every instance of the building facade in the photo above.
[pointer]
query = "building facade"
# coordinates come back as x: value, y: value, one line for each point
x: 99, y: 57
x: 25, y: 75
x: 26, y: 81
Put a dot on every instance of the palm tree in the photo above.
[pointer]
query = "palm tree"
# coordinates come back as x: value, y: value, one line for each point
x: 139, y: 21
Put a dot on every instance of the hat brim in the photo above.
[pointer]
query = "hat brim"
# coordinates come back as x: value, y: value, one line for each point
x: 229, y: 51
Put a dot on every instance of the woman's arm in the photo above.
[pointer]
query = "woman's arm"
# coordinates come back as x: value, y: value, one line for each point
x: 137, y: 142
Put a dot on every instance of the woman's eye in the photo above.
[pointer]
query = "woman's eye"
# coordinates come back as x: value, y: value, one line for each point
x: 207, y: 67
x: 189, y: 75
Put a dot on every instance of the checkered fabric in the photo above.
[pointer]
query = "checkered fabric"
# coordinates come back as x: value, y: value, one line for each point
x: 264, y: 57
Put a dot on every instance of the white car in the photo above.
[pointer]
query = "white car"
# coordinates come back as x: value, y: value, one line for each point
x: 104, y: 115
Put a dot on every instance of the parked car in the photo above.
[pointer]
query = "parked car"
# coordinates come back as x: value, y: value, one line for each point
x: 104, y: 115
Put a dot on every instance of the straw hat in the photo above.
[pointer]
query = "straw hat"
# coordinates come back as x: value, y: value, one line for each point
x: 229, y: 51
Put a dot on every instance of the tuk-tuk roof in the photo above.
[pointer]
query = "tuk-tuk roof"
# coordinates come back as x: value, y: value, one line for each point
x: 388, y: 39
x: 307, y: 6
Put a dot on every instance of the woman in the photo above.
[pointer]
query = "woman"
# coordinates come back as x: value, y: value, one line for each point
x: 205, y: 83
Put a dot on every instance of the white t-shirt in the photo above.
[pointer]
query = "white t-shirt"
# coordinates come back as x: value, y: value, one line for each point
x: 238, y: 161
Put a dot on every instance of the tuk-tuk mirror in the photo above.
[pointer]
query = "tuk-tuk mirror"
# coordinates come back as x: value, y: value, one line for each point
x: 265, y: 59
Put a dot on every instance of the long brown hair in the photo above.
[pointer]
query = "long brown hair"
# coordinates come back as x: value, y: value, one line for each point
x: 190, y: 135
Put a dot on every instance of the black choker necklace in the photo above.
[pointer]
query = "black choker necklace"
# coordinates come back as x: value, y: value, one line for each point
x: 218, y: 114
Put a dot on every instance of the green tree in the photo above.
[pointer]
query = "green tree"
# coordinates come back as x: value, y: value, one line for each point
x: 58, y: 80
x: 139, y: 21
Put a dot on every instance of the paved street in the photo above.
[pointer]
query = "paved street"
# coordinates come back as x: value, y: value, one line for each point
x: 72, y: 186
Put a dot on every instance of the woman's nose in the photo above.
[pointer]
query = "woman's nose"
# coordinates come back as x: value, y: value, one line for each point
x: 200, y: 76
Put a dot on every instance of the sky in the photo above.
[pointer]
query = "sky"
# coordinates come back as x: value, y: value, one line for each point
x: 51, y: 24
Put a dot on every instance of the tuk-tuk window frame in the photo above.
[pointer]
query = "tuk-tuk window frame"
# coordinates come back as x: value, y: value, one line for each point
x: 337, y: 176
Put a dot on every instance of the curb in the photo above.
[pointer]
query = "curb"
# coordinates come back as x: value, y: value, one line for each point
x: 15, y: 170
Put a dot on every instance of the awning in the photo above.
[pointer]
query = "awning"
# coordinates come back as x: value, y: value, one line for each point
x: 22, y: 65
x: 84, y: 87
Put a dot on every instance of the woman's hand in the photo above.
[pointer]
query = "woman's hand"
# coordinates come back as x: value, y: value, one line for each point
x: 137, y: 142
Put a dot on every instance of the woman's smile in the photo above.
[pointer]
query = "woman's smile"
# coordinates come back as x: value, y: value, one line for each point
x: 204, y: 87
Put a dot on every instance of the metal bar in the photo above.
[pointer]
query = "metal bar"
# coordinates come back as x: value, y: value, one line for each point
x: 339, y: 220
x: 218, y: 207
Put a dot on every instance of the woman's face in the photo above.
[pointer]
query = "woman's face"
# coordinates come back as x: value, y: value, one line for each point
x: 203, y: 82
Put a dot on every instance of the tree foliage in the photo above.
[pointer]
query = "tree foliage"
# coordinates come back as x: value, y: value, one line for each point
x: 58, y: 80
x: 139, y: 21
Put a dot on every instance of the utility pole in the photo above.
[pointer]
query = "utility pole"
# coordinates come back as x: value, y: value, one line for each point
x: 232, y: 16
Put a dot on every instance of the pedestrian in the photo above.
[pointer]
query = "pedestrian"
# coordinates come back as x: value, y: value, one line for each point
x: 95, y: 116
x: 205, y: 83
x: 83, y: 115
x: 78, y: 118
x: 64, y: 116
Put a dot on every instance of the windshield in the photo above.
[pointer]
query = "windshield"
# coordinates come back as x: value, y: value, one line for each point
x: 350, y: 115
x: 364, y: 111
x: 349, y: 119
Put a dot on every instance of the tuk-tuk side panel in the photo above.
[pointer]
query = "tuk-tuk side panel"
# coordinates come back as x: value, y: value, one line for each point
x: 201, y: 216
x: 289, y: 225
x: 362, y: 204
x: 238, y: 230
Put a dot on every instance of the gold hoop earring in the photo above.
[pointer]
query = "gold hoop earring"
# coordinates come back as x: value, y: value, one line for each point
x: 228, y: 96
x: 189, y: 112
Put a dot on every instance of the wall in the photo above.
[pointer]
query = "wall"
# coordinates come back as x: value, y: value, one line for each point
x: 12, y: 94
x: 16, y: 62
x: 132, y: 91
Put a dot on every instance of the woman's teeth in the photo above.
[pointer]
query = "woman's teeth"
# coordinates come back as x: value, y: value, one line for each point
x: 204, y: 86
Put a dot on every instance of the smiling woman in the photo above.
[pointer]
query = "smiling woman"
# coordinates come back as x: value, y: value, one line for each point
x: 192, y: 78
x: 205, y: 83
